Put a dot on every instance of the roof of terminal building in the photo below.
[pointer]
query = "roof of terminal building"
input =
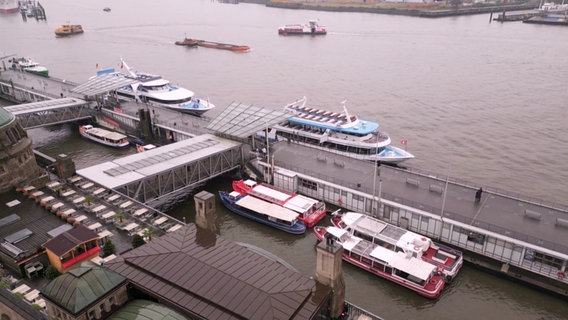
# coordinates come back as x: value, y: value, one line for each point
x: 215, y: 278
x: 79, y: 287
x: 123, y: 171
x: 44, y: 105
x: 102, y: 84
x: 5, y: 117
x: 241, y: 120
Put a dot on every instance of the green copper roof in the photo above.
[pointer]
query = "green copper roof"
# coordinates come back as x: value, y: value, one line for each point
x: 145, y: 310
x: 79, y: 287
x: 5, y: 117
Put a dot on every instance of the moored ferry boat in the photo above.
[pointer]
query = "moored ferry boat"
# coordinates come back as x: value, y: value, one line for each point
x: 398, y: 267
x: 155, y: 90
x: 28, y: 65
x: 105, y: 137
x: 311, y: 28
x: 341, y: 133
x: 310, y: 211
x: 263, y: 212
x: 447, y: 260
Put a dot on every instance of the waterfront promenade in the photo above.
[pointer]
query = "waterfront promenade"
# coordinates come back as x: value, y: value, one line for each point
x: 535, y: 227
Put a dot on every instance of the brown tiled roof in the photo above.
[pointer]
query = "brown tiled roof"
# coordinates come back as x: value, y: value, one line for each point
x: 210, y: 277
x: 70, y: 239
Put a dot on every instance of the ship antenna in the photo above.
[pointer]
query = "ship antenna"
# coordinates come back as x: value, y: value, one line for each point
x: 127, y: 67
x: 344, y: 102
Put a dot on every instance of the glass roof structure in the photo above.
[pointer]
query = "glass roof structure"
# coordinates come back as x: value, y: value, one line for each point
x: 45, y: 105
x: 139, y: 166
x: 241, y: 121
x: 102, y: 84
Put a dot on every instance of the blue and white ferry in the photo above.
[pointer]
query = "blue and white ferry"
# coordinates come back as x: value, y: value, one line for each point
x: 340, y: 133
x: 264, y: 212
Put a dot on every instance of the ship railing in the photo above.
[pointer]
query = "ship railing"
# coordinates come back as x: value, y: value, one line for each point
x: 356, y: 313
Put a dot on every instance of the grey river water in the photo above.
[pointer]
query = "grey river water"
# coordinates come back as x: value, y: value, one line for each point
x: 483, y: 102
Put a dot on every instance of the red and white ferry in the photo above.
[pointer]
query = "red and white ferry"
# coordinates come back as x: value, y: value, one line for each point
x: 398, y: 267
x: 447, y: 260
x: 310, y: 211
x: 312, y: 28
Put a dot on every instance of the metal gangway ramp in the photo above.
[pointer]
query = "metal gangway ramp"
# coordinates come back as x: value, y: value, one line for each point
x: 50, y: 112
x: 155, y: 175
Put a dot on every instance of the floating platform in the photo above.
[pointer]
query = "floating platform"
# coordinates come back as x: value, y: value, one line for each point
x: 557, y: 20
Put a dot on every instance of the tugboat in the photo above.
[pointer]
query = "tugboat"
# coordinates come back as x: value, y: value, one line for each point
x: 188, y: 42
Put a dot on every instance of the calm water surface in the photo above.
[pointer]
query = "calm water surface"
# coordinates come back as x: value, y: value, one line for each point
x: 483, y: 102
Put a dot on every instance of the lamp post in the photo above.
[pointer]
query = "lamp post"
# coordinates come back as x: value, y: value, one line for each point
x: 375, y: 180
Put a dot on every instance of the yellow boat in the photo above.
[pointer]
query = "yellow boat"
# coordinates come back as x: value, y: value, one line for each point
x: 68, y: 29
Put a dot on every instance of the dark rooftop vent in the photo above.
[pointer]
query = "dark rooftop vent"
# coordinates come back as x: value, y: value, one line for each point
x: 9, y: 219
x: 532, y: 214
x: 12, y: 249
x: 562, y: 222
x: 18, y: 236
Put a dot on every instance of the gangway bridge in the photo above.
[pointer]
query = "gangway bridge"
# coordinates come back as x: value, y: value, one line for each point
x: 50, y: 112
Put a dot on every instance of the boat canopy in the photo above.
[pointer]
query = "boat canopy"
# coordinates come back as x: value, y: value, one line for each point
x: 379, y: 229
x: 266, y: 192
x: 105, y: 134
x: 300, y: 203
x: 413, y: 266
x: 267, y: 208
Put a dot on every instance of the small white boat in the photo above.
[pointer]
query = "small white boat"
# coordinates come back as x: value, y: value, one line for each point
x: 105, y: 137
x: 155, y: 90
x: 340, y: 133
x: 28, y: 65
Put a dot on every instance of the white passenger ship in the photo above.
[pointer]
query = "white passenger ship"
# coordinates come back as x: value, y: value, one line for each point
x: 340, y: 133
x: 155, y: 90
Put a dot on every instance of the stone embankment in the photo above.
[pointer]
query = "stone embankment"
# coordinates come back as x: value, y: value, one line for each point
x: 428, y: 10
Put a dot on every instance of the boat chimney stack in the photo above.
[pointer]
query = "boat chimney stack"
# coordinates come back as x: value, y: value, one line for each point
x: 329, y: 272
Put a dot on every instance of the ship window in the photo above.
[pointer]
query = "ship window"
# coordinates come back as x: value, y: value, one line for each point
x: 308, y: 184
